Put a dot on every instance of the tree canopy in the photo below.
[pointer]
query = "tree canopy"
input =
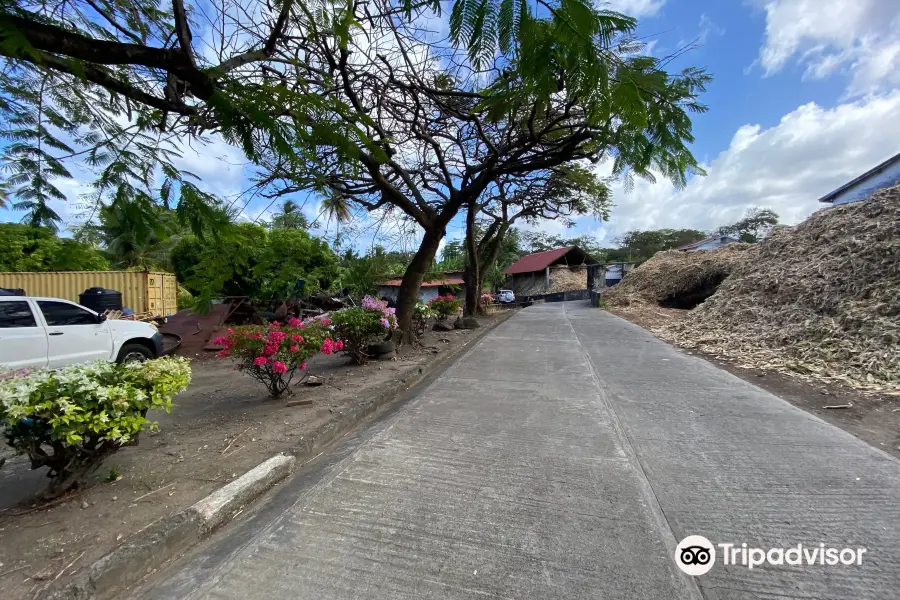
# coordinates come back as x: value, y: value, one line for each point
x: 354, y: 100
x: 641, y: 245
x: 756, y: 224
x: 24, y: 248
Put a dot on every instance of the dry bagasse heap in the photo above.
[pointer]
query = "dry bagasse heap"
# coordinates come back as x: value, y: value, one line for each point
x: 673, y: 273
x: 821, y: 299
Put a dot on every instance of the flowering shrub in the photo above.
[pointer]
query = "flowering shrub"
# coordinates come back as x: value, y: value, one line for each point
x: 71, y: 419
x: 421, y: 313
x: 485, y: 299
x: 360, y: 326
x: 274, y: 353
x: 445, y: 306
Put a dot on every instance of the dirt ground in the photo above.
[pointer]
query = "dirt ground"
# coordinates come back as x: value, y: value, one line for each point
x: 873, y: 418
x: 221, y: 426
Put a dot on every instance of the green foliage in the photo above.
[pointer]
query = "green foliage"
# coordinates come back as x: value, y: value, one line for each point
x: 71, y: 419
x: 220, y: 267
x: 114, y: 474
x: 445, y: 306
x: 362, y: 274
x: 273, y: 354
x: 246, y: 260
x: 358, y: 327
x: 641, y: 245
x: 453, y: 256
x: 592, y: 56
x: 756, y: 224
x: 535, y: 241
x: 289, y: 216
x: 25, y: 248
x: 290, y: 255
x: 421, y: 314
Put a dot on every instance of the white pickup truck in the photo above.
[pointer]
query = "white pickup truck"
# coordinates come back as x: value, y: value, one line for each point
x: 50, y: 332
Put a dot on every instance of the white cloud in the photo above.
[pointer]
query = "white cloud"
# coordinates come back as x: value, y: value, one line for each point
x: 219, y: 165
x: 859, y: 37
x: 708, y: 29
x: 634, y: 8
x: 812, y: 151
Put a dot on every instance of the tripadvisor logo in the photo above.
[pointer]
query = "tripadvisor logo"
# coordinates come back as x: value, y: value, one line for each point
x: 696, y: 555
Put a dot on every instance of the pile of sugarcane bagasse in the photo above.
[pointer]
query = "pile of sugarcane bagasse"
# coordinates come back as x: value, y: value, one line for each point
x: 820, y: 300
x: 673, y: 273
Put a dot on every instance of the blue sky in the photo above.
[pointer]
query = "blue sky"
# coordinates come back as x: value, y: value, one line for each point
x: 806, y: 96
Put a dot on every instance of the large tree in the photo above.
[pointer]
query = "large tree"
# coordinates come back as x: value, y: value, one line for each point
x: 756, y: 224
x: 560, y: 193
x: 441, y: 129
x: 641, y: 245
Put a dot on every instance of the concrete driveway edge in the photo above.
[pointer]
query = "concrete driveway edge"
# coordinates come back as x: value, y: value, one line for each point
x: 173, y: 535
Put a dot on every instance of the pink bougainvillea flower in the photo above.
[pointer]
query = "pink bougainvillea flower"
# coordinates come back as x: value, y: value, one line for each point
x: 276, y: 336
x: 270, y: 349
x: 295, y: 348
x: 260, y: 361
x: 294, y: 322
x: 230, y: 331
x: 338, y: 345
x: 327, y: 346
x: 279, y: 367
x: 302, y: 366
x: 274, y: 325
x: 297, y: 338
x: 220, y: 341
x: 326, y: 322
x: 385, y: 324
x: 223, y: 354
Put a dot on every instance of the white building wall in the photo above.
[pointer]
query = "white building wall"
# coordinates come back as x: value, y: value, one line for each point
x: 887, y: 178
x: 426, y: 293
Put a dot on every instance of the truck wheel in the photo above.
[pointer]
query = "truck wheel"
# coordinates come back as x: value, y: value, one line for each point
x: 134, y: 352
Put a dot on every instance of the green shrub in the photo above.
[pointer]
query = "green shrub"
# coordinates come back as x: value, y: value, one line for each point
x: 445, y: 306
x: 71, y: 419
x: 421, y: 313
x: 360, y: 326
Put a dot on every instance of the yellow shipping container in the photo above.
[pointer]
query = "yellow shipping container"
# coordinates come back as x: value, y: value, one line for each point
x: 142, y: 292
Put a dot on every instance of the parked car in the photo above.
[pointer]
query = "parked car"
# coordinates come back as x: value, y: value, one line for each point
x: 506, y: 297
x: 50, y: 332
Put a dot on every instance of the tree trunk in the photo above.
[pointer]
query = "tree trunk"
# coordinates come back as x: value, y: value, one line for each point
x: 492, y: 251
x: 408, y: 293
x: 472, y: 274
x: 473, y: 285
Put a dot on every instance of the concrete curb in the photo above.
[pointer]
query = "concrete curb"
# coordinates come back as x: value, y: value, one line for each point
x: 149, y: 548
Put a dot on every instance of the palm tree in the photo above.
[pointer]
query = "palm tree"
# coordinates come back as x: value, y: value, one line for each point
x: 39, y: 214
x: 336, y: 207
x: 289, y: 216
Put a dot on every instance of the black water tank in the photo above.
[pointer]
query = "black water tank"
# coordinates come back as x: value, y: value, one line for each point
x: 99, y: 299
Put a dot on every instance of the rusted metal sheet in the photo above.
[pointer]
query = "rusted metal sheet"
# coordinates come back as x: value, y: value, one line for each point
x: 195, y: 329
x: 142, y: 291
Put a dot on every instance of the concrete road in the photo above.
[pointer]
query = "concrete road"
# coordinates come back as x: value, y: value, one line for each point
x: 564, y: 457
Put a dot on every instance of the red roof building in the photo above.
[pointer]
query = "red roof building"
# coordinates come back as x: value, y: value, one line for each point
x: 568, y: 255
x: 551, y: 272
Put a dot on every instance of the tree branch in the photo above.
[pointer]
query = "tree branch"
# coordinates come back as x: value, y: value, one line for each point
x: 56, y: 40
x: 183, y: 31
x: 103, y: 78
x: 268, y: 48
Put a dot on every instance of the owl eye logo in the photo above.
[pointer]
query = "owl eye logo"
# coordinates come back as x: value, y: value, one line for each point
x: 695, y: 555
